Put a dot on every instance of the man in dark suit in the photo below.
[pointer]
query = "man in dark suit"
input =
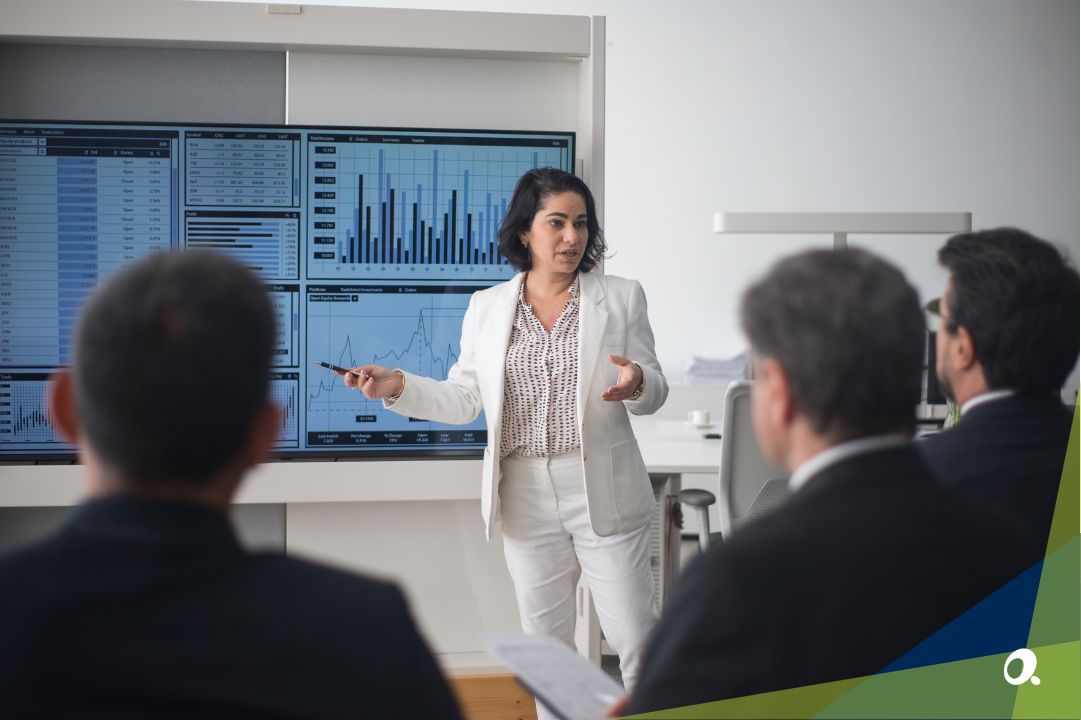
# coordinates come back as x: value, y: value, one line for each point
x: 144, y: 604
x: 869, y: 555
x: 1007, y: 341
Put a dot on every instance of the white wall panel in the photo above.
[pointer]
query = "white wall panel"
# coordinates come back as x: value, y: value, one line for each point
x: 340, y: 89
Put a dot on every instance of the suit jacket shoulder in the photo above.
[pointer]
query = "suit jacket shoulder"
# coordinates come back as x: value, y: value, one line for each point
x: 998, y: 427
x: 506, y: 291
x: 618, y: 283
x: 858, y: 566
x: 1008, y: 453
x: 167, y: 616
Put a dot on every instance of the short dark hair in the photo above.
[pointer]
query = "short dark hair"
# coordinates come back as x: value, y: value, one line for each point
x: 1019, y: 301
x: 172, y: 365
x: 848, y: 331
x: 533, y: 188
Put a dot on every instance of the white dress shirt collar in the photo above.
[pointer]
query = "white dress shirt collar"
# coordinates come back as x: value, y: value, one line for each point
x: 842, y: 451
x: 985, y: 397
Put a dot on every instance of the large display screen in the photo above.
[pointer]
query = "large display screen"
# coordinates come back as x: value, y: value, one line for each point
x: 370, y: 241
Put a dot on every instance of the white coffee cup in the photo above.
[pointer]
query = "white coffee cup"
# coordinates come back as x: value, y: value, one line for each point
x: 699, y: 418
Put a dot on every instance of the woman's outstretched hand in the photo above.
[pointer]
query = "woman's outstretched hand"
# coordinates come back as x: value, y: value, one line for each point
x: 630, y: 377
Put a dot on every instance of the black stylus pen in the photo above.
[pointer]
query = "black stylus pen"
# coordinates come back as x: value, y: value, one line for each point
x: 335, y: 368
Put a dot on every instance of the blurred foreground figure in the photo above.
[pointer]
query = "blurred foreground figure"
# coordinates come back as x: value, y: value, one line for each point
x: 144, y: 605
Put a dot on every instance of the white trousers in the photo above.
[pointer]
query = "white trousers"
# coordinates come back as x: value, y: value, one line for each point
x: 549, y: 542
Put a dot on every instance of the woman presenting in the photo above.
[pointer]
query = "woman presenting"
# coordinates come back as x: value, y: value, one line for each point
x: 557, y: 357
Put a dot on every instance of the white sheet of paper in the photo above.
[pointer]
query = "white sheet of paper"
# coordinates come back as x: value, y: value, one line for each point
x: 571, y: 686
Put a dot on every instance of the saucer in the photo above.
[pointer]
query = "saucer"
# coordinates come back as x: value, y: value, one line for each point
x: 696, y: 426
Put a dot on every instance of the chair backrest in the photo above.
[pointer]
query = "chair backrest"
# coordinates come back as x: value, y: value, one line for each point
x: 750, y: 485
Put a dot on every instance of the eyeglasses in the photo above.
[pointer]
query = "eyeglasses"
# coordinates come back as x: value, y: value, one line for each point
x: 945, y: 322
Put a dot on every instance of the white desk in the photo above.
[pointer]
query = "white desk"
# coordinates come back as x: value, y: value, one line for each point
x: 675, y: 447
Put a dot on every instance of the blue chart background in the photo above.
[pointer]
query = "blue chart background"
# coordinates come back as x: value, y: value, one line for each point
x: 409, y: 215
x: 415, y: 328
x: 471, y: 184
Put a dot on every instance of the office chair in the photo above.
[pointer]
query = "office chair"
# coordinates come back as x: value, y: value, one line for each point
x: 750, y: 485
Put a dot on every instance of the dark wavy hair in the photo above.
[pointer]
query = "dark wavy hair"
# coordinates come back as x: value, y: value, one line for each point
x: 1019, y: 301
x: 532, y: 190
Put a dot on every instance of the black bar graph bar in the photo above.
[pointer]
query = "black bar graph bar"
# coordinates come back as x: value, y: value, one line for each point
x: 454, y: 223
x: 368, y: 233
x: 414, y: 233
x: 380, y: 242
x: 360, y: 204
x: 389, y: 234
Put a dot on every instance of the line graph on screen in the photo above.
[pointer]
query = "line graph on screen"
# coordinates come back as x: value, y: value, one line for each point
x: 416, y: 329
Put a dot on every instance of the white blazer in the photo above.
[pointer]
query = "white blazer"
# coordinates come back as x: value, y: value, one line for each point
x: 612, y: 320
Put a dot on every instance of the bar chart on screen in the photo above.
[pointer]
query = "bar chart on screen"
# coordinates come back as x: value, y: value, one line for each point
x: 283, y: 392
x: 24, y: 417
x: 267, y: 242
x: 413, y: 206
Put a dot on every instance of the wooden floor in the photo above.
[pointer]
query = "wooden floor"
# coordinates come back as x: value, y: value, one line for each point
x: 493, y: 697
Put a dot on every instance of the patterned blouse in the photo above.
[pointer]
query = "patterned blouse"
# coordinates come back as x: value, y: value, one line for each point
x: 540, y: 413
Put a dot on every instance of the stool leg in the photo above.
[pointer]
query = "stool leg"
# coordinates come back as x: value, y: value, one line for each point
x: 703, y: 528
